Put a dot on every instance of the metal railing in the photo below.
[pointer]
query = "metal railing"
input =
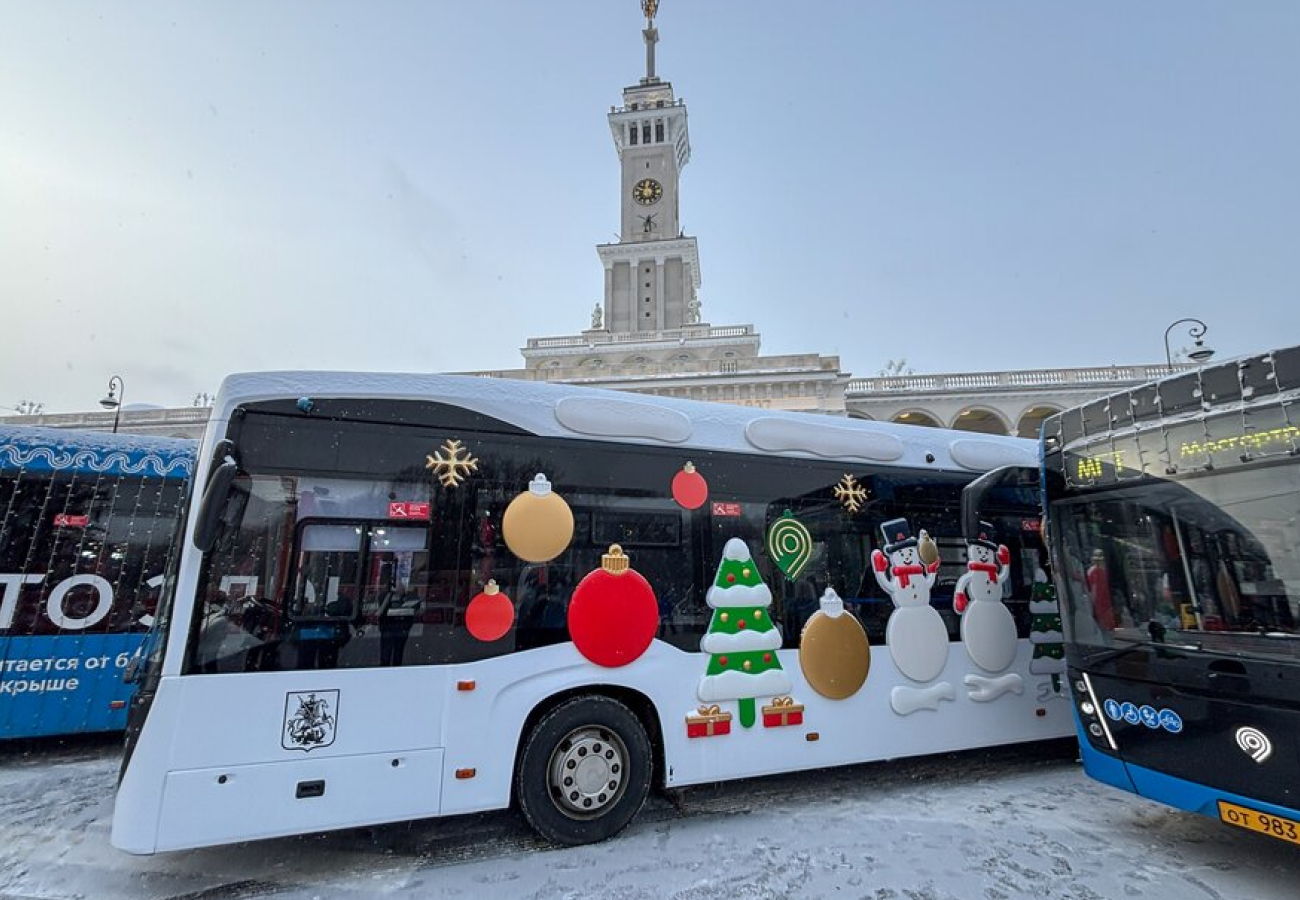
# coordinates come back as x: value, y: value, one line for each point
x: 961, y: 382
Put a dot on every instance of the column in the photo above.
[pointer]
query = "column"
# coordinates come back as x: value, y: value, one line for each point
x: 609, y: 296
x: 659, y: 293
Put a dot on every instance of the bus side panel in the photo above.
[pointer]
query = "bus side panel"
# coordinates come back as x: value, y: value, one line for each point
x: 213, y: 806
x: 484, y: 724
x: 865, y: 727
x: 64, y: 684
x: 139, y: 794
x: 242, y: 751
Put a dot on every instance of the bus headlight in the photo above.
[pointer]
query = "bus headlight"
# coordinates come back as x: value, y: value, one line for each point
x: 1086, y: 698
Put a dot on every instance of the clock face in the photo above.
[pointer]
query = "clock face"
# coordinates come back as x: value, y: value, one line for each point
x: 647, y: 191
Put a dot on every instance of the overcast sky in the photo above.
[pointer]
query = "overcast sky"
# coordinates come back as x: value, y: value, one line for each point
x: 189, y: 190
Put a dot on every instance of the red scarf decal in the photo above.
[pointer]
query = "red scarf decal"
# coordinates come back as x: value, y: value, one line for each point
x: 991, y: 568
x: 905, y: 573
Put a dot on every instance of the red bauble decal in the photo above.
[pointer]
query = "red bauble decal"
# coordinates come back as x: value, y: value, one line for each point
x: 490, y: 614
x: 613, y: 614
x: 690, y: 490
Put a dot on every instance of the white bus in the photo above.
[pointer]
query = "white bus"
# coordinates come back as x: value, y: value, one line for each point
x: 405, y: 596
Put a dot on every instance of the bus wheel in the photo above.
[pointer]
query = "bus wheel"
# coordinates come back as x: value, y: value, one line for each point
x: 584, y: 771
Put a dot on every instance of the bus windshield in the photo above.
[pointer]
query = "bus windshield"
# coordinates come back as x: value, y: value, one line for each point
x: 1203, y: 562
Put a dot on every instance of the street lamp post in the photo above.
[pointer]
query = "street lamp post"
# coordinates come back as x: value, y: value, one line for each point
x: 1197, y: 331
x: 113, y: 399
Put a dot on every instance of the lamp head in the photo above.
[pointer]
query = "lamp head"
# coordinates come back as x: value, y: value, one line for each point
x: 1200, y: 353
x: 110, y: 401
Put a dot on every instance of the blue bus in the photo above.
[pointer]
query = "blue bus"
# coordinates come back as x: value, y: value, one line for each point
x: 88, y: 522
x: 1173, y: 521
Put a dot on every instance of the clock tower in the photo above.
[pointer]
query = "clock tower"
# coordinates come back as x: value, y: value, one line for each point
x: 653, y: 272
x: 646, y: 335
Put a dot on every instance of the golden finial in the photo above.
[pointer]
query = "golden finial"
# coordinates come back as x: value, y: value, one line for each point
x: 649, y: 7
x: 615, y: 562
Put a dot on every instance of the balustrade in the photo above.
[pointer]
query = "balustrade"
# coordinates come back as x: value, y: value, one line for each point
x: 964, y: 382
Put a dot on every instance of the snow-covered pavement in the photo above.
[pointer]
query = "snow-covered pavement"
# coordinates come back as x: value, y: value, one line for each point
x: 992, y: 825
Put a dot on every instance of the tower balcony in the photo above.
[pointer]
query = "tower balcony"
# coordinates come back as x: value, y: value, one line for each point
x: 590, y: 340
x: 622, y: 372
x: 642, y: 108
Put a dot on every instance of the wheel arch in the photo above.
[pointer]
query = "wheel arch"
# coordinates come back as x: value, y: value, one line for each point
x: 641, y: 706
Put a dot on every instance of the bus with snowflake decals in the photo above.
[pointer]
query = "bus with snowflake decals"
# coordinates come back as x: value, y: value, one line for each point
x: 1173, y: 513
x: 470, y: 592
x: 88, y: 522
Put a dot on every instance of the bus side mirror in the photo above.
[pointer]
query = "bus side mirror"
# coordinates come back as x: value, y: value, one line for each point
x: 210, y: 507
x: 973, y: 496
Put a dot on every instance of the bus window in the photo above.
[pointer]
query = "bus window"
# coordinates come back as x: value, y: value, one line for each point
x: 328, y: 568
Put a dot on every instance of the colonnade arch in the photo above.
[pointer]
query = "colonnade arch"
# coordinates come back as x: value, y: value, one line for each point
x: 916, y: 417
x: 1031, y: 420
x: 985, y: 418
x: 981, y: 421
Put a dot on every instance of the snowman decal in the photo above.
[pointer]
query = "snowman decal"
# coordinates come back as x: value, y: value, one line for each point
x: 987, y: 628
x: 915, y: 633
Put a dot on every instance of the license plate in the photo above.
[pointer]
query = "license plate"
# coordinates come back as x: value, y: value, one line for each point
x: 1264, y: 823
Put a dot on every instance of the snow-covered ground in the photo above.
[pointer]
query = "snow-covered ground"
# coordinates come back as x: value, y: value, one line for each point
x: 992, y: 825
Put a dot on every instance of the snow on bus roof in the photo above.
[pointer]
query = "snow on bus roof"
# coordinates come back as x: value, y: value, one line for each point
x: 571, y: 411
x: 38, y: 449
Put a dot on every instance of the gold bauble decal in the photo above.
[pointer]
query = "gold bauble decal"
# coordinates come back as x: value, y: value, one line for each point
x: 833, y: 651
x: 538, y: 524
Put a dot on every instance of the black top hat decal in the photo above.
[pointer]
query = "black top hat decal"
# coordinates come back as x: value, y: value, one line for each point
x: 898, y: 535
x: 987, y: 537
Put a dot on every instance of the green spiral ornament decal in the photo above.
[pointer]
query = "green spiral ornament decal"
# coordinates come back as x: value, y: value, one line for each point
x: 789, y: 544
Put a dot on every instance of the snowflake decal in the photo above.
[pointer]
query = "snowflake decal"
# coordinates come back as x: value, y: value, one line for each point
x: 449, y: 465
x: 850, y: 493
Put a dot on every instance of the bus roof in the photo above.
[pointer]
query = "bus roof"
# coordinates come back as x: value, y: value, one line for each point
x: 1255, y: 379
x: 570, y: 411
x: 1220, y: 416
x: 35, y: 449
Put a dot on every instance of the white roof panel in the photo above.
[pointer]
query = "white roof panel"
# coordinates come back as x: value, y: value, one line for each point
x: 568, y: 411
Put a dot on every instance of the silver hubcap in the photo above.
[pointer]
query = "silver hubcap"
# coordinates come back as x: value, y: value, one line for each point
x: 587, y: 772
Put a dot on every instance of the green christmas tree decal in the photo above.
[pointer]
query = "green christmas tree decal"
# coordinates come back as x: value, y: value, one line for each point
x: 742, y: 640
x: 1045, y: 633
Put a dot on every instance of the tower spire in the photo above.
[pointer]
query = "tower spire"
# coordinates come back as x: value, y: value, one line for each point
x: 651, y: 35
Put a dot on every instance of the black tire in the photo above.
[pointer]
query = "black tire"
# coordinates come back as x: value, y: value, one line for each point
x: 584, y: 771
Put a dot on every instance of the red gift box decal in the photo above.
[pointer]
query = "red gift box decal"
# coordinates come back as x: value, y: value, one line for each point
x: 710, y: 721
x: 783, y: 711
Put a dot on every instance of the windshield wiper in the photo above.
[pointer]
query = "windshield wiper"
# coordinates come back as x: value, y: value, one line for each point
x: 1161, y: 648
